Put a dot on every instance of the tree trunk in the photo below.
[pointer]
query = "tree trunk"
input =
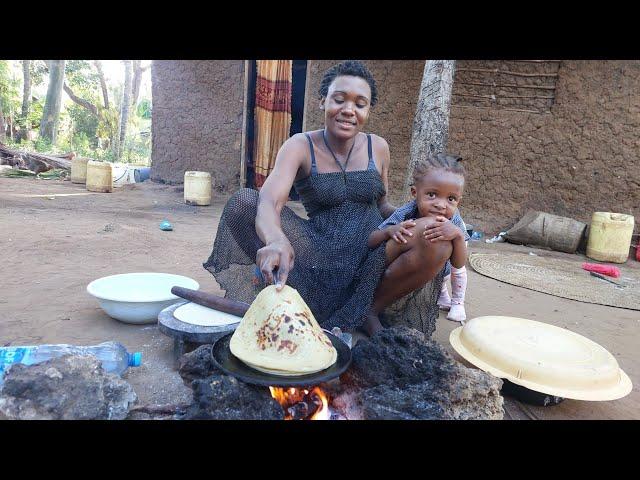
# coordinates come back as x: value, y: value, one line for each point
x: 103, y: 84
x: 124, y: 109
x: 137, y: 77
x: 81, y: 101
x: 419, y: 309
x: 51, y: 112
x: 3, y: 128
x: 431, y: 123
x: 26, y: 99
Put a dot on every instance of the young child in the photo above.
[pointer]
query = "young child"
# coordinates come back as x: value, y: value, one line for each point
x: 458, y: 276
x: 438, y: 183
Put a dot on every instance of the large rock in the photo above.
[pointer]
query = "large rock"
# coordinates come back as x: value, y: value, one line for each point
x: 398, y: 374
x: 220, y: 397
x: 67, y: 388
x: 197, y: 365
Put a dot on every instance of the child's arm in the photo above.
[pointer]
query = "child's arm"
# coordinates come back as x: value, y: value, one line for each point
x: 377, y: 237
x: 396, y: 232
x: 459, y: 255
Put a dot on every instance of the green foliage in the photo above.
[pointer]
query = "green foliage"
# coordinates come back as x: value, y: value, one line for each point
x: 83, y: 123
x: 10, y: 97
x: 39, y: 72
x: 81, y: 74
x: 144, y: 109
x: 80, y: 130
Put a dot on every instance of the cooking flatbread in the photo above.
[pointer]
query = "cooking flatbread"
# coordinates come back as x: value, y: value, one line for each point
x: 206, y: 317
x: 280, y: 336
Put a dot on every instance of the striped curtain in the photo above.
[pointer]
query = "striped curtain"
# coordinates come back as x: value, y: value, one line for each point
x: 272, y: 114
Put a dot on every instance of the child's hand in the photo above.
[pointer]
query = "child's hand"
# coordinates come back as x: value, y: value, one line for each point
x: 441, y: 230
x: 398, y: 232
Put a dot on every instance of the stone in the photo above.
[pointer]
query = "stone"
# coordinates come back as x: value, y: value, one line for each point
x: 197, y: 365
x: 220, y: 397
x: 398, y: 374
x: 72, y: 387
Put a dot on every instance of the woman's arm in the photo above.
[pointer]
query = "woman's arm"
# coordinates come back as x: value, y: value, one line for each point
x: 278, y: 252
x: 381, y: 152
x: 377, y: 237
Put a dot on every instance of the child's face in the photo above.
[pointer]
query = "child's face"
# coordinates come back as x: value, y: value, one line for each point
x: 438, y: 192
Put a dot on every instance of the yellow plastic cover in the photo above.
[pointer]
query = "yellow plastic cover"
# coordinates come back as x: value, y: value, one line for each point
x: 541, y: 357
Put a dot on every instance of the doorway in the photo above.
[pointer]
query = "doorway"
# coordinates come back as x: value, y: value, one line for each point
x: 298, y: 87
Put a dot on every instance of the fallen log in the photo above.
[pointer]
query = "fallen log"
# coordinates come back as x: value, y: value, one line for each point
x: 36, y: 162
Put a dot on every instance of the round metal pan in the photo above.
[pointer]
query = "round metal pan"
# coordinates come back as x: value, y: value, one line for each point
x: 231, y: 365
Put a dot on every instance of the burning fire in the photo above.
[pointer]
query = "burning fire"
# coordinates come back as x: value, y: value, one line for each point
x: 301, y: 403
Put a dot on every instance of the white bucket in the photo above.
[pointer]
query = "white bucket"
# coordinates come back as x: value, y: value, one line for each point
x: 123, y: 174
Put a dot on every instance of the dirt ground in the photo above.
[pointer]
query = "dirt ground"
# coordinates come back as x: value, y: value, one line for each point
x: 57, y: 237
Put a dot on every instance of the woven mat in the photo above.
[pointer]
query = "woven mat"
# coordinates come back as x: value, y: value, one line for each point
x: 559, y: 277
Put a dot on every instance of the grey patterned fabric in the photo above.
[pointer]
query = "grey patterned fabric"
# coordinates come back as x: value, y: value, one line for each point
x: 409, y: 210
x: 334, y: 270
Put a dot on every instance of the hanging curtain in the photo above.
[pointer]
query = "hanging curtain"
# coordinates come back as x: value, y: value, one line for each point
x: 272, y: 114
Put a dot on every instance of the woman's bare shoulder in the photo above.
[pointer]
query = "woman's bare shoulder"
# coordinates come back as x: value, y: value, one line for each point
x: 379, y: 142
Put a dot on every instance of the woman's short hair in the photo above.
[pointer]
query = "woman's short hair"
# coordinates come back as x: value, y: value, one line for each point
x: 352, y: 68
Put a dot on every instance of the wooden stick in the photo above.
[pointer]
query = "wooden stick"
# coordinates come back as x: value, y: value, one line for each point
x: 506, y: 72
x: 299, y: 411
x: 160, y: 409
x: 495, y: 97
x: 510, y: 109
x: 541, y: 87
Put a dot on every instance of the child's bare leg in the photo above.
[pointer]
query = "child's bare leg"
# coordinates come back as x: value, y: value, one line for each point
x: 458, y: 289
x: 444, y: 300
x: 409, y: 266
x: 372, y: 323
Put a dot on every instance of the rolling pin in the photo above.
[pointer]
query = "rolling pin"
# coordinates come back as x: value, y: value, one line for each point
x: 210, y: 300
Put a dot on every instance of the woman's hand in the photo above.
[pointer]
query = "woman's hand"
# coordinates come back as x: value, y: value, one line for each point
x: 278, y: 254
x: 441, y: 230
x: 399, y: 231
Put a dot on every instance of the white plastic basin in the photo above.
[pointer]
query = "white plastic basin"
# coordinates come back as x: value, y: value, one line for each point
x: 138, y: 297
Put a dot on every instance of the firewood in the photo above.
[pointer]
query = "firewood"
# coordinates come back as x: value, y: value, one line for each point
x: 299, y: 411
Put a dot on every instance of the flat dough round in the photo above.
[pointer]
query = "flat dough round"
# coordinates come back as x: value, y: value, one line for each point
x: 281, y: 373
x: 280, y: 335
x: 205, y: 317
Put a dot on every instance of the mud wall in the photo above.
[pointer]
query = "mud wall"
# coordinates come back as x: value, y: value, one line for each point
x: 197, y: 120
x: 578, y: 153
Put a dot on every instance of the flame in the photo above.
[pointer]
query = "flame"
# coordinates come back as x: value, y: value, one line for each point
x: 323, y: 412
x: 290, y: 396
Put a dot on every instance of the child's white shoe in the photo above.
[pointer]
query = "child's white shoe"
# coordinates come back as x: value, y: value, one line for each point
x: 444, y: 304
x: 444, y: 300
x: 457, y: 313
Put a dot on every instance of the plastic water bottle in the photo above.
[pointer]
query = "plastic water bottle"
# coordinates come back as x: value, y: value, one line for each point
x: 112, y: 355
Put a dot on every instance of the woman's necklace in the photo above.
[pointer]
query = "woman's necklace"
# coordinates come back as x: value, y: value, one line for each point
x: 344, y: 170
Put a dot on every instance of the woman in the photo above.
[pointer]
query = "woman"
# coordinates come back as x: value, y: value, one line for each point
x: 341, y: 175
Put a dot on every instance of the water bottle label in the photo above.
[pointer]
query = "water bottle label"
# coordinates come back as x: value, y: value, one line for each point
x: 11, y: 355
